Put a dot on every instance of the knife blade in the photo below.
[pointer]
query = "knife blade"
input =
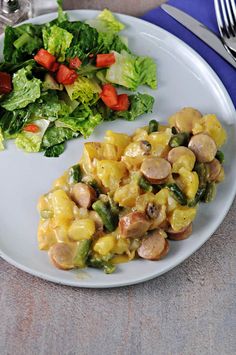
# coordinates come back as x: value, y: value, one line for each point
x: 201, y: 31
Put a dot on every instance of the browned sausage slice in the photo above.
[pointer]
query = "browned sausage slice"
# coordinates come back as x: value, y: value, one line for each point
x: 185, y: 119
x: 175, y: 153
x: 214, y: 169
x: 84, y: 195
x: 154, y: 246
x: 180, y: 235
x: 204, y: 147
x: 155, y: 169
x: 134, y: 225
x: 61, y: 255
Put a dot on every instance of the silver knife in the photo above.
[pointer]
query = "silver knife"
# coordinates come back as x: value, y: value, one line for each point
x: 201, y: 31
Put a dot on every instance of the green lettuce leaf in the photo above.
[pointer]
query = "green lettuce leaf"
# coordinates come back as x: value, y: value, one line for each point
x: 1, y: 140
x: 11, y: 122
x: 57, y: 40
x: 31, y: 142
x: 131, y: 71
x: 62, y: 16
x: 56, y: 135
x: 84, y: 90
x: 83, y: 120
x: 21, y: 42
x: 55, y: 150
x: 139, y: 105
x: 26, y: 89
x: 108, y: 41
x: 106, y: 22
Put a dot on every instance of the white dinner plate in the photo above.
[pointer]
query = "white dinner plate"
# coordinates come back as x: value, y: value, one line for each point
x: 184, y: 79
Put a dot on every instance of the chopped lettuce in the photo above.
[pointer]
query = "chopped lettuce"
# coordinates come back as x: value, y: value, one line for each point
x: 1, y: 140
x: 131, y: 71
x: 11, y: 122
x: 31, y: 142
x: 55, y: 150
x: 62, y: 16
x: 108, y: 41
x: 85, y: 90
x: 57, y: 40
x: 56, y: 135
x: 106, y: 22
x: 26, y: 89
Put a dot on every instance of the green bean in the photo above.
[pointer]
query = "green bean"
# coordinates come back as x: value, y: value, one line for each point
x: 177, y: 194
x: 179, y: 139
x: 109, y: 219
x: 210, y: 192
x: 220, y: 156
x: 153, y: 126
x: 114, y: 206
x: 107, y: 266
x: 199, y: 195
x: 145, y: 185
x: 82, y: 252
x: 203, y: 172
x: 75, y: 174
x: 94, y: 184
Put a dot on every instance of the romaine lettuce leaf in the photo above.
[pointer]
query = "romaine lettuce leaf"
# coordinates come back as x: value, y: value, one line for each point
x: 55, y: 150
x: 108, y: 41
x: 1, y: 140
x: 85, y: 90
x: 31, y: 142
x: 106, y: 22
x: 131, y: 71
x: 26, y: 89
x: 21, y: 42
x: 11, y: 122
x: 57, y: 40
x: 62, y: 16
x: 56, y: 135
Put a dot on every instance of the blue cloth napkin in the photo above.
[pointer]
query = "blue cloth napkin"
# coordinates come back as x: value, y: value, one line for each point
x: 203, y: 11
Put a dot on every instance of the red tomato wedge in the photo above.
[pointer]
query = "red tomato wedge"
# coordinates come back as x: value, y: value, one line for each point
x: 123, y: 103
x: 45, y: 59
x: 109, y: 95
x: 74, y: 63
x: 33, y: 128
x: 65, y: 75
x: 5, y: 83
x: 105, y: 60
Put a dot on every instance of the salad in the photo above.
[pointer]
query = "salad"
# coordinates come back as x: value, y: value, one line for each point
x: 129, y: 195
x: 59, y: 81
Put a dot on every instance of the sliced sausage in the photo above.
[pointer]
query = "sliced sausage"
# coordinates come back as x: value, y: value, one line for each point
x: 61, y: 255
x: 175, y: 153
x: 154, y: 246
x: 214, y: 169
x: 156, y: 170
x: 160, y: 220
x: 203, y: 146
x: 185, y: 119
x: 83, y: 195
x: 134, y: 225
x: 180, y: 235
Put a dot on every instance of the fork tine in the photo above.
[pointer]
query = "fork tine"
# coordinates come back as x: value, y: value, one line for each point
x: 219, y: 17
x: 233, y: 5
x: 225, y: 17
x: 230, y: 17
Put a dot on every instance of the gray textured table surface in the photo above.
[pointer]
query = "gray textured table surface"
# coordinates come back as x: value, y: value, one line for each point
x: 190, y: 310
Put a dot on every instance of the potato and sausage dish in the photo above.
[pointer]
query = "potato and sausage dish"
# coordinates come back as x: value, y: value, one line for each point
x: 129, y: 195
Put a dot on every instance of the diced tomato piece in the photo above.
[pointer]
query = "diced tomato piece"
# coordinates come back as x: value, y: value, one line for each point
x: 75, y: 63
x: 123, y: 103
x: 45, y: 59
x: 65, y: 75
x: 33, y: 128
x: 109, y: 95
x: 5, y: 83
x: 55, y: 67
x: 105, y: 60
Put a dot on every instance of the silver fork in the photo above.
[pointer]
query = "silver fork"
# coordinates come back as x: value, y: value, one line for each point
x: 226, y: 19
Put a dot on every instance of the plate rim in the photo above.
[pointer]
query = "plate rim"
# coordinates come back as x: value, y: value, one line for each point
x: 177, y: 261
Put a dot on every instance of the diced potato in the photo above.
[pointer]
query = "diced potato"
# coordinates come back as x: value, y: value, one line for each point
x: 46, y: 235
x: 221, y: 175
x: 110, y: 173
x: 159, y: 142
x: 143, y: 200
x: 43, y: 203
x: 105, y: 244
x: 121, y: 246
x: 81, y: 229
x: 120, y: 140
x: 188, y: 181
x: 162, y: 196
x: 61, y: 182
x: 120, y: 259
x: 62, y: 207
x: 140, y: 134
x: 211, y: 125
x: 133, y: 163
x: 127, y: 194
x: 186, y: 161
x: 181, y: 217
x: 61, y: 233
